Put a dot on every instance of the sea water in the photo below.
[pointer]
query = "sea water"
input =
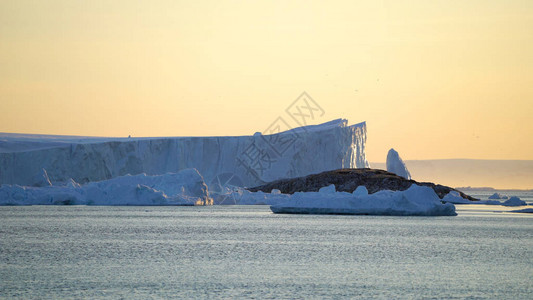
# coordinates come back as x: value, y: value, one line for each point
x: 50, y: 252
x: 526, y: 195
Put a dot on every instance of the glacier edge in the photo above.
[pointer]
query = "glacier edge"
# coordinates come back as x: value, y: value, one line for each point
x: 297, y: 152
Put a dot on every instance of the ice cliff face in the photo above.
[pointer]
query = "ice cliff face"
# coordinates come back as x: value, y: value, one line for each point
x: 242, y: 160
x: 396, y: 165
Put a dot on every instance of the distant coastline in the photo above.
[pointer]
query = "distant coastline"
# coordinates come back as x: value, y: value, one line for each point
x: 481, y: 189
x: 472, y: 173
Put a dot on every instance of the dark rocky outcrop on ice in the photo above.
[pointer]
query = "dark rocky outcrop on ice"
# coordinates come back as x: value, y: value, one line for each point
x: 347, y: 180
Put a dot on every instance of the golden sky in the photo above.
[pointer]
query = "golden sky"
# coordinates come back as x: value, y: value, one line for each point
x: 433, y: 79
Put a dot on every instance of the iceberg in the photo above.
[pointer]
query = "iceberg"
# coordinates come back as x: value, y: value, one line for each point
x: 514, y: 201
x: 455, y: 198
x: 185, y: 187
x: 396, y: 165
x: 415, y: 201
x: 248, y: 160
x: 497, y: 196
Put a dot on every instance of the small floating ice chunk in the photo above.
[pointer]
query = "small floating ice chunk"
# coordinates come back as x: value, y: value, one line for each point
x: 455, y: 198
x: 514, y: 201
x: 497, y: 196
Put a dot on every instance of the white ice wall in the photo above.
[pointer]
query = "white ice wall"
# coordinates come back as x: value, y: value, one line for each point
x: 396, y: 165
x: 247, y: 160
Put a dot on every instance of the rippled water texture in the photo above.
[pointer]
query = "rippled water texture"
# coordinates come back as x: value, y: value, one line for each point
x: 246, y: 251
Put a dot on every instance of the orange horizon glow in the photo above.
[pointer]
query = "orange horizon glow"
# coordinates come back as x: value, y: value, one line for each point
x: 434, y: 80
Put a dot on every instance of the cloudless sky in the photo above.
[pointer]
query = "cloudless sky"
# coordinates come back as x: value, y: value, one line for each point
x: 433, y: 79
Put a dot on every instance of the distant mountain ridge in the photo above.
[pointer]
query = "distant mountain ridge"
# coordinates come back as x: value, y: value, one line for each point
x: 498, y: 174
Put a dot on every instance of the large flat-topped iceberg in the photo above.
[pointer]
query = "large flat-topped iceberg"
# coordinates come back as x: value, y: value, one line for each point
x: 246, y: 160
x: 415, y: 201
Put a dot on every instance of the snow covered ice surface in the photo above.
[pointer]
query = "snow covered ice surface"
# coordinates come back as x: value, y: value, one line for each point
x: 415, y: 201
x: 248, y: 160
x: 185, y: 187
x: 396, y: 165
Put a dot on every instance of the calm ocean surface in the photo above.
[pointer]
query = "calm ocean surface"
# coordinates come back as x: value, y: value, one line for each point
x: 247, y: 252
